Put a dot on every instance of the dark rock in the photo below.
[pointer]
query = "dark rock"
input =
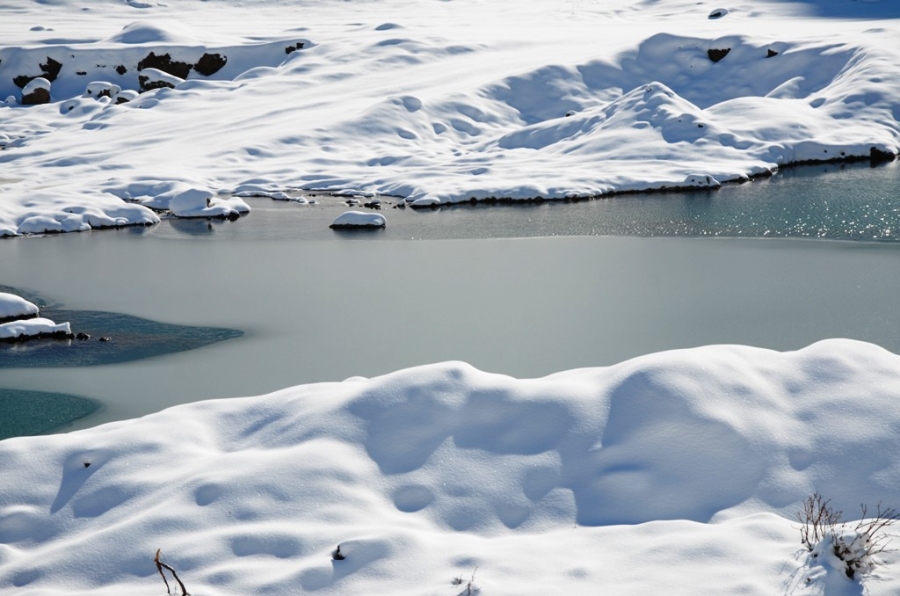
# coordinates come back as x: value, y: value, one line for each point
x: 770, y: 53
x: 81, y: 336
x: 373, y: 205
x: 51, y: 69
x: 18, y: 318
x: 718, y: 13
x: 21, y: 338
x: 166, y: 64
x: 148, y: 85
x: 121, y: 69
x: 36, y: 97
x: 105, y: 338
x: 210, y: 64
x: 877, y: 156
x: 294, y: 48
x: 717, y: 54
x: 22, y: 80
x: 81, y: 73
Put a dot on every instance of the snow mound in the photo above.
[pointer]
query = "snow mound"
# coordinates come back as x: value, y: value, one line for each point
x: 444, y: 468
x: 155, y: 32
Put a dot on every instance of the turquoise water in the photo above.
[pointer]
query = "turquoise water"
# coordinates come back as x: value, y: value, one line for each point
x: 130, y: 338
x: 34, y: 412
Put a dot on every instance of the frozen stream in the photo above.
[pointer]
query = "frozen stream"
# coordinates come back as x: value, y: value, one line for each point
x: 320, y: 306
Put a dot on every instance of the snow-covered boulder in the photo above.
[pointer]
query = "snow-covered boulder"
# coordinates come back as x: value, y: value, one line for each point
x: 16, y: 307
x: 153, y: 78
x: 359, y: 219
x: 34, y: 328
x: 98, y: 89
x: 202, y: 203
x: 37, y: 91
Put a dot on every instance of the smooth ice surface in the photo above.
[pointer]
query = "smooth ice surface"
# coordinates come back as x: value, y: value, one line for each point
x: 434, y: 103
x: 679, y: 470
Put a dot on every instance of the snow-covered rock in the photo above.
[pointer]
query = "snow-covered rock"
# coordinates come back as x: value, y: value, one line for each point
x: 37, y: 91
x: 98, y: 89
x: 16, y: 307
x: 31, y: 328
x: 359, y: 219
x: 203, y: 203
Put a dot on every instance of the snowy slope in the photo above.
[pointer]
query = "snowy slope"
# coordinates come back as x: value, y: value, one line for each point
x: 433, y: 102
x: 674, y: 473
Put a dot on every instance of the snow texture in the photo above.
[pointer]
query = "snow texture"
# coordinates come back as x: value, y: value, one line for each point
x: 435, y: 103
x: 674, y: 473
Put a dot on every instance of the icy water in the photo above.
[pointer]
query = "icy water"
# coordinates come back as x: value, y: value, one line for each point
x: 525, y: 291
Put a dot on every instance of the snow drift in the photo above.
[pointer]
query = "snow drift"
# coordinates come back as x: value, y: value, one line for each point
x: 680, y: 470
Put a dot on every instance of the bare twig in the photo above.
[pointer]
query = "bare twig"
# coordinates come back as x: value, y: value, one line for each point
x: 817, y: 519
x: 159, y: 567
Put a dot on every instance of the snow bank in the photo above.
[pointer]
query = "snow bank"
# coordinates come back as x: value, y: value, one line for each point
x: 33, y: 328
x: 16, y: 307
x: 437, y: 105
x: 680, y: 471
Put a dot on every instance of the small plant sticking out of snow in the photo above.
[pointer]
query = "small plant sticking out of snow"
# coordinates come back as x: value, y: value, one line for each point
x: 817, y: 519
x: 854, y: 547
x: 470, y: 588
x: 160, y: 566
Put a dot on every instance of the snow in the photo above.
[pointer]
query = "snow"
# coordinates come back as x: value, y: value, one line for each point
x: 12, y: 306
x: 675, y: 473
x: 433, y: 104
x: 359, y: 219
x: 32, y: 327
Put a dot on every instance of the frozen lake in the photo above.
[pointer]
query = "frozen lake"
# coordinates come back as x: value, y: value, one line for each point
x: 525, y: 291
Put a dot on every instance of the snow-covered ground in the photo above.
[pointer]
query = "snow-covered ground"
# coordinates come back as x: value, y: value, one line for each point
x: 674, y: 473
x: 433, y: 102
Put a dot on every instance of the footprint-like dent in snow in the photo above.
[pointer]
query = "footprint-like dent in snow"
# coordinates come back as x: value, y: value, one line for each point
x: 413, y: 497
x: 207, y: 493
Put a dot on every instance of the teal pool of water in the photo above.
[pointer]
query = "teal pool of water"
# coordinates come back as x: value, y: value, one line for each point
x: 24, y: 413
